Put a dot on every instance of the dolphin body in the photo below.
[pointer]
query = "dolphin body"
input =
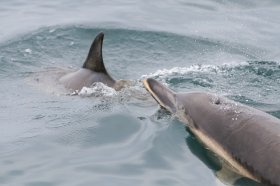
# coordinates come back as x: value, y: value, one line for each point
x: 93, y: 70
x: 247, y: 139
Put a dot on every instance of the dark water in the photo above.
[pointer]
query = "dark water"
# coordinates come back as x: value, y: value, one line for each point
x: 123, y: 138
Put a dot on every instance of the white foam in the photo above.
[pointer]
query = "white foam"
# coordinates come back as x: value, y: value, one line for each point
x: 193, y: 68
x: 97, y: 90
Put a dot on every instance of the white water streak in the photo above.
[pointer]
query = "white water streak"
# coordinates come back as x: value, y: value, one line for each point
x: 193, y: 68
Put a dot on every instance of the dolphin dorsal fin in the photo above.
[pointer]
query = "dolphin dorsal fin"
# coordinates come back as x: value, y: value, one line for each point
x: 94, y: 59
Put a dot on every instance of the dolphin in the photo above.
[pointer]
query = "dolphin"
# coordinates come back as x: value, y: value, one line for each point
x: 93, y: 70
x: 247, y: 139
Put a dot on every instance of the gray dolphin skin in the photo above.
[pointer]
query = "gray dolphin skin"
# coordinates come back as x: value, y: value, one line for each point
x: 247, y: 139
x: 93, y: 70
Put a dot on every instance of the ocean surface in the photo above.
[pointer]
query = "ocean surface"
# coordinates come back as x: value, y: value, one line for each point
x: 49, y: 137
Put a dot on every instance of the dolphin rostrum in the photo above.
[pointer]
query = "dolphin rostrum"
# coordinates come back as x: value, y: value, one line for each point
x: 93, y: 70
x: 247, y: 139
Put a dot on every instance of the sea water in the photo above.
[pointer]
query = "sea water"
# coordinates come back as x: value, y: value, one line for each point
x: 102, y: 137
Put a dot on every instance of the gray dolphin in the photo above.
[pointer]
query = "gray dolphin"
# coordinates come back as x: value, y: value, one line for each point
x: 247, y: 139
x: 93, y: 70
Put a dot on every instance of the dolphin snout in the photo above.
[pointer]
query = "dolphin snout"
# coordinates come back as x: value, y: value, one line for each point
x: 163, y: 95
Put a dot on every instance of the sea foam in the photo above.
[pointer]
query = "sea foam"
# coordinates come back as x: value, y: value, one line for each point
x: 97, y: 90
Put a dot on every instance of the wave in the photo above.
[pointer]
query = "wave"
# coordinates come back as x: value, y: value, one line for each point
x: 68, y: 45
x: 193, y: 68
x: 262, y: 68
x: 251, y: 82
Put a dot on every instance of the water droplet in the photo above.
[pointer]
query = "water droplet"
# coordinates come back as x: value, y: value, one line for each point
x: 52, y: 30
x: 28, y: 50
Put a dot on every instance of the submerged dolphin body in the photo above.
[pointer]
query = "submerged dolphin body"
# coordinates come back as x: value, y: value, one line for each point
x: 93, y: 70
x: 246, y: 138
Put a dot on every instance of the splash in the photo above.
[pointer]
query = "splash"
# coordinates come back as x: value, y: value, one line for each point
x: 97, y: 89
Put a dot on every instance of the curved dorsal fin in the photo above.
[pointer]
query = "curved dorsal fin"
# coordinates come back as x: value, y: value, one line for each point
x: 94, y: 59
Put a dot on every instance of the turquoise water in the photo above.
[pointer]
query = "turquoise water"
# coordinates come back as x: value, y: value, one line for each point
x: 48, y: 137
